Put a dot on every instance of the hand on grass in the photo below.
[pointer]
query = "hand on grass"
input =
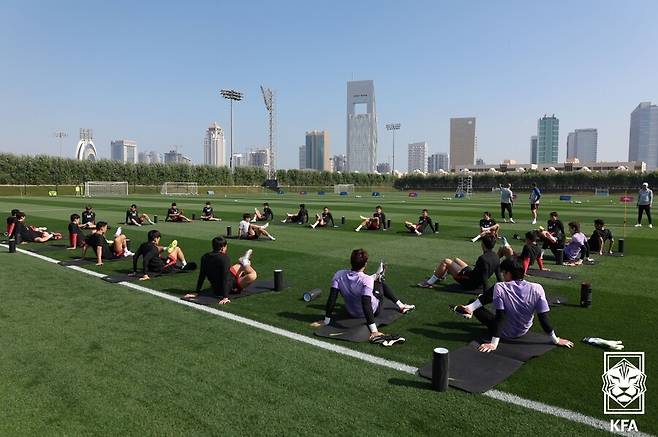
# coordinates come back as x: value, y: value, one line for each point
x: 375, y: 334
x: 317, y: 324
x: 145, y: 278
x: 487, y: 347
x: 564, y: 342
x: 225, y: 301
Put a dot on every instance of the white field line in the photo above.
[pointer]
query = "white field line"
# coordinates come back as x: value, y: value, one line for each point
x: 562, y: 413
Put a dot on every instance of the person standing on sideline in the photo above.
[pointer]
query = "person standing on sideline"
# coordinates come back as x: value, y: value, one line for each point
x: 506, y: 201
x: 644, y: 202
x: 535, y: 194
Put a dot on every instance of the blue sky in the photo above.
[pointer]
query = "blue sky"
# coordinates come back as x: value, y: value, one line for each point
x: 151, y: 71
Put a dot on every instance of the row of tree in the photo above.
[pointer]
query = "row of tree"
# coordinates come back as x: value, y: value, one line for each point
x: 45, y: 170
x: 563, y: 181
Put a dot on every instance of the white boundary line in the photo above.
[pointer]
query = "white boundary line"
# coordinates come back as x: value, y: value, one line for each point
x: 562, y: 413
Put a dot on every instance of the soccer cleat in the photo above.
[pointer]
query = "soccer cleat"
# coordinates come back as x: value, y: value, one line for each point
x: 387, y: 340
x: 283, y: 221
x: 312, y: 226
x: 244, y: 259
x: 504, y: 220
x: 117, y: 232
x: 172, y: 246
x: 272, y: 238
x: 363, y: 218
x: 534, y: 222
x: 476, y: 238
x: 357, y: 230
x: 425, y: 284
x: 639, y: 225
x: 511, y: 220
x: 611, y: 344
x: 407, y: 308
x: 505, y: 242
x: 650, y: 226
x: 253, y: 220
x: 127, y: 253
x: 265, y: 226
x: 461, y: 310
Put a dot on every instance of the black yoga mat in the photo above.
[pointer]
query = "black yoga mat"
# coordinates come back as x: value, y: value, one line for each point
x: 125, y: 277
x: 476, y: 372
x: 208, y: 298
x: 87, y: 261
x: 561, y: 276
x: 456, y: 288
x: 343, y: 327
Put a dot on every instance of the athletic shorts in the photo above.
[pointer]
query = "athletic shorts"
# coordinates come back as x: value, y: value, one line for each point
x: 464, y: 277
x: 234, y: 280
x: 249, y: 237
x: 534, y: 206
x: 373, y: 225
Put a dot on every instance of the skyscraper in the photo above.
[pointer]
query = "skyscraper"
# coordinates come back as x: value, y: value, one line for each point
x: 643, y: 139
x: 214, y: 147
x: 317, y: 150
x: 124, y: 151
x: 548, y: 131
x: 361, y: 126
x: 462, y: 141
x: 174, y: 157
x: 302, y: 157
x: 259, y: 158
x: 582, y: 144
x: 533, y: 149
x: 417, y: 159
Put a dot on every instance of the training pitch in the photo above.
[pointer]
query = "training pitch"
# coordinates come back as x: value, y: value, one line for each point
x: 83, y: 356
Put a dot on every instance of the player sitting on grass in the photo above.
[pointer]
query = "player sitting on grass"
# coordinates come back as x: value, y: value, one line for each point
x: 250, y: 231
x: 104, y: 249
x: 76, y: 236
x: 599, y: 237
x: 11, y: 222
x: 31, y: 234
x: 176, y: 215
x: 516, y: 301
x: 363, y: 295
x: 133, y: 217
x: 224, y: 278
x: 530, y: 253
x: 488, y: 226
x: 300, y: 217
x: 265, y: 216
x: 88, y: 218
x: 152, y: 263
x: 468, y: 277
x: 208, y: 214
x: 323, y: 219
x: 424, y: 222
x: 375, y: 223
x: 553, y: 235
x: 577, y: 248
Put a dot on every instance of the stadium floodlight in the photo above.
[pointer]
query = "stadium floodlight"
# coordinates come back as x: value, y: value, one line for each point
x: 393, y: 127
x: 231, y: 95
x: 60, y: 135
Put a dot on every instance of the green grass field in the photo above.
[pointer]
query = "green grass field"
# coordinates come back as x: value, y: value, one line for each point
x: 83, y: 356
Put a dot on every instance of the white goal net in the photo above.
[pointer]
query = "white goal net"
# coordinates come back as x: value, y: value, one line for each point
x: 180, y: 188
x: 105, y: 188
x: 602, y: 192
x: 344, y: 188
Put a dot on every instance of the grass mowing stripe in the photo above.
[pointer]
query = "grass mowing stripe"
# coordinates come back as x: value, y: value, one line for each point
x: 494, y: 394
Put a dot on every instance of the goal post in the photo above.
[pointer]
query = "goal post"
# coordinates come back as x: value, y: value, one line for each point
x: 343, y: 188
x: 105, y: 188
x: 601, y: 192
x: 180, y: 188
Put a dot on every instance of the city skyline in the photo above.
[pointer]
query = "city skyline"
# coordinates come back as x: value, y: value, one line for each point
x: 167, y: 94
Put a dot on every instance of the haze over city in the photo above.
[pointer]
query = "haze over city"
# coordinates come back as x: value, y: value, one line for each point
x: 151, y: 72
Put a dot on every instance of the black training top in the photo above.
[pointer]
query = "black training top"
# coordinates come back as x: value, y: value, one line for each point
x: 267, y: 212
x: 173, y: 211
x: 88, y: 217
x: 132, y: 215
x: 207, y: 211
x: 556, y: 228
x: 74, y: 229
x: 150, y: 254
x: 486, y: 265
x: 11, y: 220
x: 95, y: 240
x: 215, y: 266
x: 327, y: 217
x: 382, y: 219
x: 531, y: 251
x: 604, y: 234
x: 424, y: 222
x: 487, y: 223
x: 25, y: 233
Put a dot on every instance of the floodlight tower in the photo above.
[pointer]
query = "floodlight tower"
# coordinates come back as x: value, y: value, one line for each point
x: 60, y: 135
x: 270, y: 105
x: 231, y: 95
x: 393, y: 127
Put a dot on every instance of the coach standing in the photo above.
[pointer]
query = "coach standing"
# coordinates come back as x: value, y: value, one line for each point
x: 535, y: 194
x: 506, y: 201
x: 644, y: 202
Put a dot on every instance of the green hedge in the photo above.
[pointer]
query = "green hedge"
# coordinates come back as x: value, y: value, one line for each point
x: 550, y: 182
x: 45, y: 170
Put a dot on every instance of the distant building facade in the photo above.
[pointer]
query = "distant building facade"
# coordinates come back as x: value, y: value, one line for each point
x: 214, y: 146
x: 548, y: 134
x: 417, y: 157
x: 361, y: 126
x: 383, y: 168
x: 643, y: 138
x: 317, y: 150
x: 339, y: 163
x: 258, y: 158
x: 462, y: 141
x: 302, y: 157
x: 533, y: 149
x: 174, y: 157
x: 582, y: 144
x: 124, y: 151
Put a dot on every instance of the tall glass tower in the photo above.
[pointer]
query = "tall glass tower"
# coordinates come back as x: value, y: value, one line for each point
x: 361, y: 126
x: 548, y: 131
x: 643, y: 141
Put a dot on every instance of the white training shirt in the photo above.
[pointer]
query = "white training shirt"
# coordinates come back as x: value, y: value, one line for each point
x: 244, y: 227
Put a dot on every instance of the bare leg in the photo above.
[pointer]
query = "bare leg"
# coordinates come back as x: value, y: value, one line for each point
x: 246, y: 276
x: 177, y: 255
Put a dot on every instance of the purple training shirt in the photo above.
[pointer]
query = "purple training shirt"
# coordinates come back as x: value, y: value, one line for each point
x: 520, y: 300
x: 353, y: 285
x: 572, y: 250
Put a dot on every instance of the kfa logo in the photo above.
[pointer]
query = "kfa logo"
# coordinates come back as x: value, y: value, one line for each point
x: 624, y: 383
